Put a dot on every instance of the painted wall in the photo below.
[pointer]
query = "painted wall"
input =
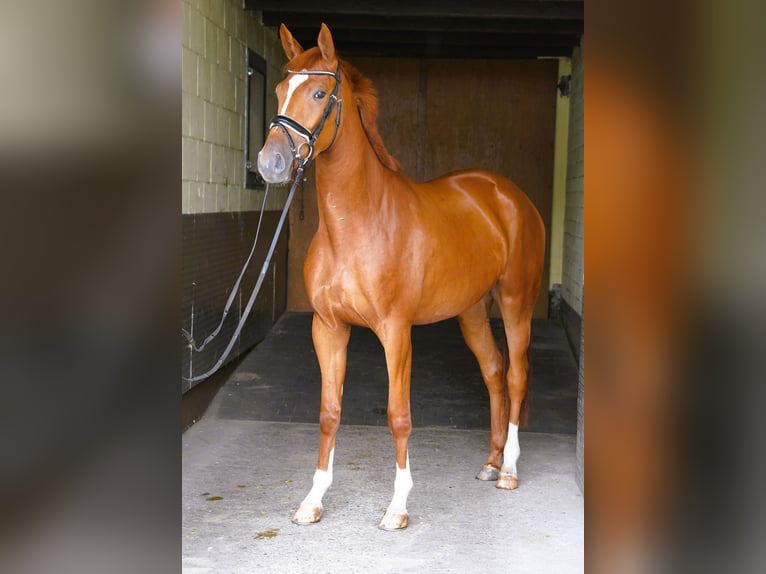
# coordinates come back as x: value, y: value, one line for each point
x: 558, y: 208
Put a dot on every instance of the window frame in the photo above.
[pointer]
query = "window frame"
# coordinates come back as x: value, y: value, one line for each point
x: 256, y: 69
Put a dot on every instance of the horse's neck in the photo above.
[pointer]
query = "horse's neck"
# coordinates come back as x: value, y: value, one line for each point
x: 350, y: 179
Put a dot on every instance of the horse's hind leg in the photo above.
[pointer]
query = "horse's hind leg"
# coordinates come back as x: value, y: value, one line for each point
x: 330, y: 342
x: 474, y: 323
x: 517, y: 320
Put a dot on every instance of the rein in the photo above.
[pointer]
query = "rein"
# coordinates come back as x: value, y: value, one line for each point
x: 246, y: 312
x: 286, y: 123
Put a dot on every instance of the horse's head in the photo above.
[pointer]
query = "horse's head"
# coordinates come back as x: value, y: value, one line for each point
x: 308, y: 104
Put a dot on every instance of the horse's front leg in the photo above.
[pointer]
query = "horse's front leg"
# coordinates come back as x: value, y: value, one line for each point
x: 330, y: 343
x: 398, y: 347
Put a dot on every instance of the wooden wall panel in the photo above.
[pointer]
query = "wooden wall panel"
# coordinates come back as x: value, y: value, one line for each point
x: 397, y: 82
x: 437, y: 116
x: 498, y: 115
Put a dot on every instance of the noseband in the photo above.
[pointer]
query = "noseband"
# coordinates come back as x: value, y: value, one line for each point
x: 286, y: 123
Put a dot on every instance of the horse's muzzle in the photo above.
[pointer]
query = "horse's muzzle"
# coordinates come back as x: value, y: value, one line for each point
x: 275, y: 161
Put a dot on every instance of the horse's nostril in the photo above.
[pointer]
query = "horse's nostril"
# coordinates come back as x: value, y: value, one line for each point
x: 279, y: 162
x: 274, y: 164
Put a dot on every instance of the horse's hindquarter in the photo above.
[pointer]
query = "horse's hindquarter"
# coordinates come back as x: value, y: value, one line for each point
x: 472, y: 218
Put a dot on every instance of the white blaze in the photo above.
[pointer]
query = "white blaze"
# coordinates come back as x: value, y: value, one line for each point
x: 294, y: 81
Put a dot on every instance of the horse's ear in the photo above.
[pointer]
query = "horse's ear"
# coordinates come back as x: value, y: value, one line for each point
x: 325, y: 43
x: 289, y: 44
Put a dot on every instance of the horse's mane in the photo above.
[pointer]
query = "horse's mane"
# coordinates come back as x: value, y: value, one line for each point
x: 366, y: 100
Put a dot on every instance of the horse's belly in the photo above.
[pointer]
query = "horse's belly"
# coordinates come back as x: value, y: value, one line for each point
x: 451, y: 285
x: 443, y: 302
x: 422, y: 289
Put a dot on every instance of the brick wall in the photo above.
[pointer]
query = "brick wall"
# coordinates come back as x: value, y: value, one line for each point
x: 572, y: 276
x: 216, y: 35
x: 580, y: 450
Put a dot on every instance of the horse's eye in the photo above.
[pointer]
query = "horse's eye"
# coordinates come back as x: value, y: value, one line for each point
x: 319, y: 94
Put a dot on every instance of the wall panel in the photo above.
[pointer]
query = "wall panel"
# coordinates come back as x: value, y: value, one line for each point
x: 214, y: 249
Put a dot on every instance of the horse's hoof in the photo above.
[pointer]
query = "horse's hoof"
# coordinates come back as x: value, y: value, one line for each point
x: 394, y: 521
x: 507, y: 481
x: 307, y: 514
x: 488, y: 472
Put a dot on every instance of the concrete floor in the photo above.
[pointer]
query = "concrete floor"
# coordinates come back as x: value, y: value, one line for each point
x: 245, y: 470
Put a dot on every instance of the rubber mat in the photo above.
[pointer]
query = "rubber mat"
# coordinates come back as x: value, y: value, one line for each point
x: 279, y: 380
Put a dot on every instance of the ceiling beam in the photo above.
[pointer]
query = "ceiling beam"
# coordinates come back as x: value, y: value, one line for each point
x: 434, y: 28
x: 530, y: 9
x: 386, y: 50
x: 427, y: 24
x: 343, y: 37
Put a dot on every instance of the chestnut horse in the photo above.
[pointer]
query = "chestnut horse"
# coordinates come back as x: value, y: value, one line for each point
x: 390, y: 253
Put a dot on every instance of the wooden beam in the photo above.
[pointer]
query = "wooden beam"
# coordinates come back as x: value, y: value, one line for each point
x: 429, y: 28
x: 387, y: 50
x: 427, y: 24
x: 529, y: 9
x: 345, y: 37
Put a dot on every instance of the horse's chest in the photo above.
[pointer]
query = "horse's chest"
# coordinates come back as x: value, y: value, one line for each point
x: 337, y: 283
x: 353, y: 287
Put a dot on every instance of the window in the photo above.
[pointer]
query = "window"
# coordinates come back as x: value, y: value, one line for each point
x: 255, y: 117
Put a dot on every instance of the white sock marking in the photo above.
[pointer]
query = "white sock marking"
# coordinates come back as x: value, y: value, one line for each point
x: 512, y: 450
x: 294, y: 81
x: 322, y: 481
x: 402, y: 487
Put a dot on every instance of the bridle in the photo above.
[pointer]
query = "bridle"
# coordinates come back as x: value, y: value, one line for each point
x: 286, y: 123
